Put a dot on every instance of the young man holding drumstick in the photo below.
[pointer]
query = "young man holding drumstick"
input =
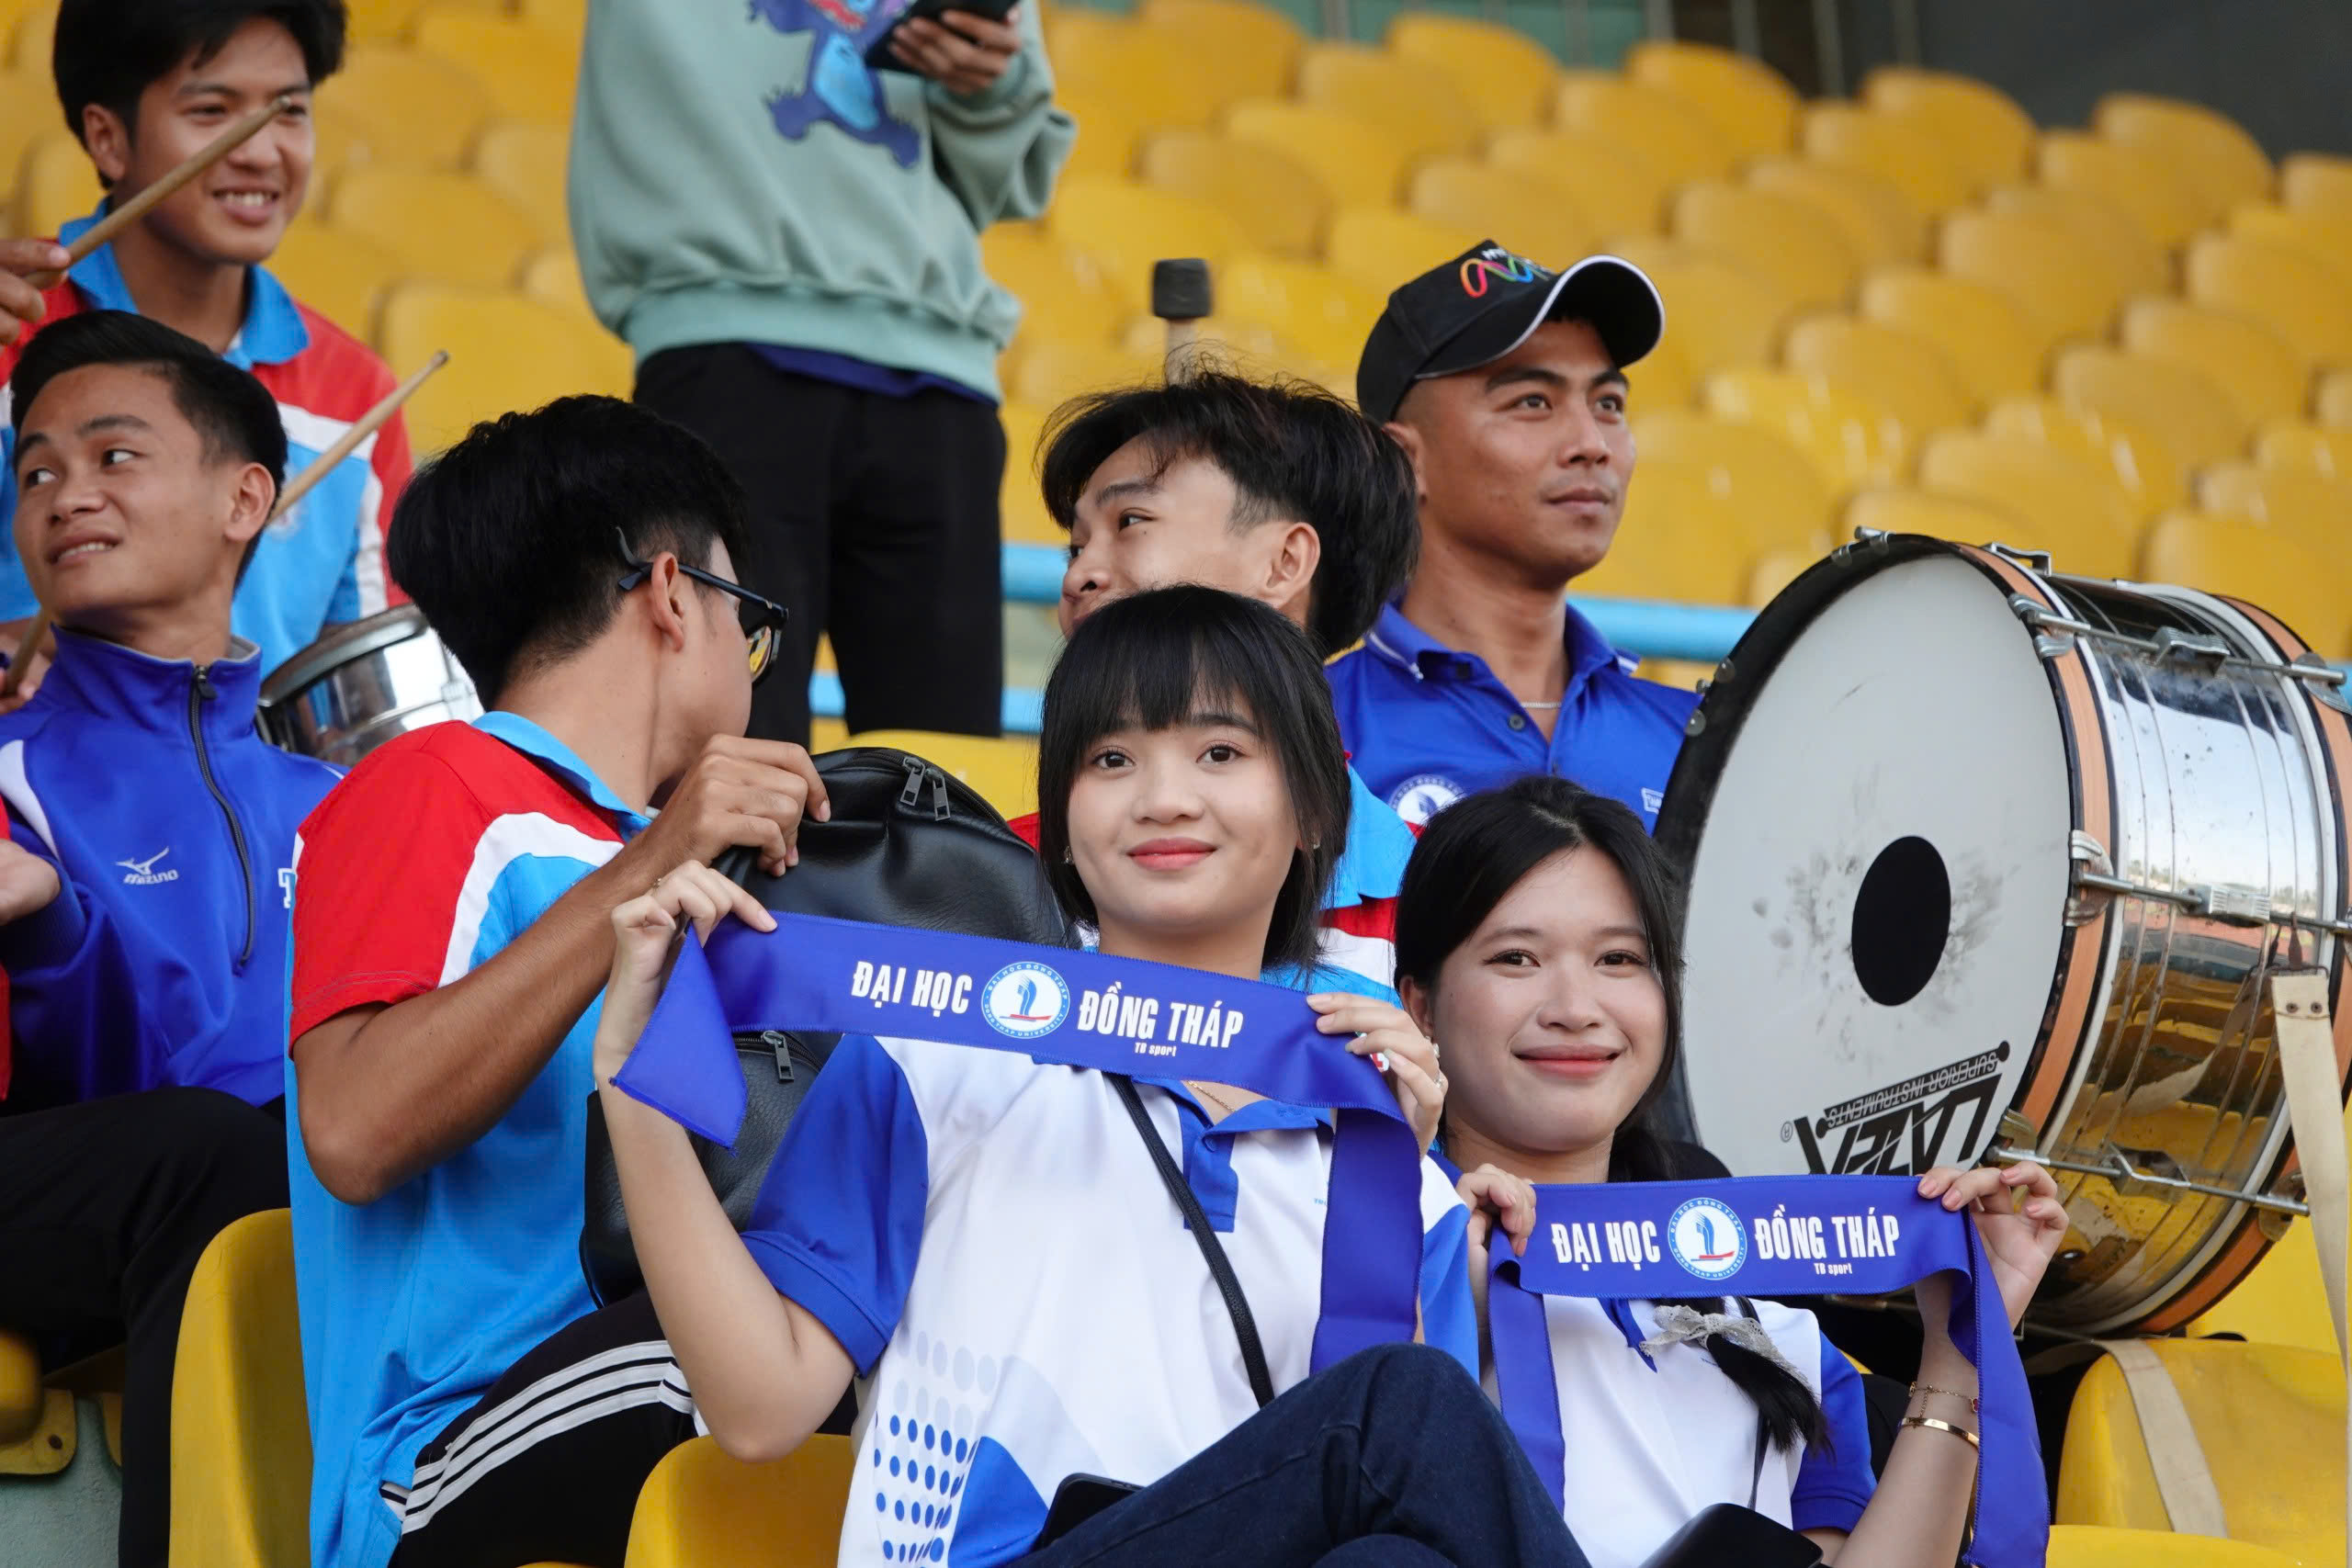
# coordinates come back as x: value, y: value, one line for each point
x: 146, y: 84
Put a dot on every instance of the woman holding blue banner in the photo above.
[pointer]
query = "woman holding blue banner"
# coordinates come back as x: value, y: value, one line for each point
x: 1538, y: 938
x: 980, y: 1211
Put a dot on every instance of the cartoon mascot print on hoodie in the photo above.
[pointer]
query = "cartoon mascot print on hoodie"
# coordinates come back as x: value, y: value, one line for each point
x: 841, y: 89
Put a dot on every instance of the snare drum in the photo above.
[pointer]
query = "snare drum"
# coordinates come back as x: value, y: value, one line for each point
x: 1985, y: 858
x: 363, y: 683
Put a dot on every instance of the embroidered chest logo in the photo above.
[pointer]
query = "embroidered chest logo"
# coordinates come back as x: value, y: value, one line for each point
x: 142, y: 872
x: 1422, y: 796
x: 1025, y: 1000
x: 1707, y: 1239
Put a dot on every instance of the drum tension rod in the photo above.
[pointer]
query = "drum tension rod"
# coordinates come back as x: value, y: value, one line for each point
x: 2129, y: 1177
x: 2172, y: 646
x: 2094, y: 872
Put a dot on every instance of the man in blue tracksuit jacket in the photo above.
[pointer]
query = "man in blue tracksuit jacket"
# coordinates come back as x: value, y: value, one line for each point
x: 143, y: 881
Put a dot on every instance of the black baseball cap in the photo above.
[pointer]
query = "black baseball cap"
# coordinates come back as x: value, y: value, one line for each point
x: 1486, y: 302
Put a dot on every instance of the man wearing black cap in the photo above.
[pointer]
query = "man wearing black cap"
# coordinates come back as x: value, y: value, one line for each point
x: 1505, y: 383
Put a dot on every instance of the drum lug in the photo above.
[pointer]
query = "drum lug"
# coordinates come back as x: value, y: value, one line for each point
x: 1867, y: 542
x: 2177, y: 646
x: 2092, y: 882
x: 2325, y: 681
x: 2032, y: 560
x: 2274, y: 1222
x: 2019, y: 1131
x: 2048, y: 644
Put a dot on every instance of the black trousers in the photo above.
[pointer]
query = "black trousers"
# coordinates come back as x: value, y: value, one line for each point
x: 104, y: 1209
x: 874, y: 519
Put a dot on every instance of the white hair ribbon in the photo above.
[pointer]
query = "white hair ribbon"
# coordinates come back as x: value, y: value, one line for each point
x: 1687, y: 1326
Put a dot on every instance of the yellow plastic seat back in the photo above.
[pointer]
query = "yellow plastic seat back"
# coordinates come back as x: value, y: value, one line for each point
x: 241, y: 1431
x: 1994, y: 345
x: 1506, y: 77
x: 1982, y: 127
x: 1019, y: 503
x: 336, y: 272
x: 1749, y: 102
x: 2107, y: 238
x: 2270, y: 1419
x: 28, y: 109
x: 2280, y: 1301
x: 1048, y: 374
x: 1110, y: 127
x: 1718, y: 313
x: 1376, y: 248
x: 1003, y: 769
x: 2297, y: 297
x: 1778, y: 236
x: 1524, y: 213
x: 1877, y: 221
x: 2332, y: 398
x: 427, y: 106
x: 1899, y: 370
x: 1420, y: 110
x: 1614, y: 182
x: 34, y: 39
x: 2222, y: 162
x: 1896, y: 509
x: 55, y: 184
x: 2088, y: 1546
x: 2314, y: 507
x: 1901, y: 149
x: 2041, y: 262
x: 1325, y: 314
x: 1360, y: 163
x: 553, y: 277
x: 2126, y: 451
x: 529, y: 70
x: 701, y: 1509
x: 2063, y: 503
x: 1782, y: 497
x: 1063, y: 293
x: 2324, y: 237
x: 1100, y: 57
x: 2244, y: 358
x: 1256, y: 47
x: 1852, y: 441
x: 527, y: 165
x: 2248, y: 559
x: 506, y: 352
x: 2295, y: 444
x: 1281, y: 204
x: 2197, y: 422
x: 1127, y: 227
x: 1679, y: 139
x: 447, y: 228
x: 1682, y: 538
x: 2316, y: 182
x: 2162, y: 199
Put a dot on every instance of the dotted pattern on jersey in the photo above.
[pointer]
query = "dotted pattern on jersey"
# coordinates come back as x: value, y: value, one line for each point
x: 919, y: 1449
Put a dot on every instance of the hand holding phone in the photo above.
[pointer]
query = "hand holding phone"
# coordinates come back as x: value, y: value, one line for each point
x: 963, y: 45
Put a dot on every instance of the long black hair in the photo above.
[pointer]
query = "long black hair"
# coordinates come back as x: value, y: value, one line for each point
x: 1151, y: 662
x: 1469, y: 858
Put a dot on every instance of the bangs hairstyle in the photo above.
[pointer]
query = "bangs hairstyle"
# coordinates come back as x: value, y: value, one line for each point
x: 1152, y: 661
x: 1469, y: 858
x: 1292, y: 450
x: 110, y: 51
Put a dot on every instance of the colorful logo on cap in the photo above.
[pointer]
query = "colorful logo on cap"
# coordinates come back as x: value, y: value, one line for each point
x: 1497, y: 263
x: 1707, y: 1239
x: 1024, y: 1000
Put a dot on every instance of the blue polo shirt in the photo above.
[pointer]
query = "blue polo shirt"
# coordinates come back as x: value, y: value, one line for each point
x: 1426, y: 724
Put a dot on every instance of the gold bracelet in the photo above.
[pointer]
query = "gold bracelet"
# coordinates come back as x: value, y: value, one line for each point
x: 1975, y: 1408
x: 1931, y: 1422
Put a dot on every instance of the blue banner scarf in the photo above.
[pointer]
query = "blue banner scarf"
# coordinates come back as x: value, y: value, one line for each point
x: 1066, y: 1008
x: 1796, y: 1236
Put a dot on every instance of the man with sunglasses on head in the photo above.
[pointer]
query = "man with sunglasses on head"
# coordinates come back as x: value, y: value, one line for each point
x: 451, y: 934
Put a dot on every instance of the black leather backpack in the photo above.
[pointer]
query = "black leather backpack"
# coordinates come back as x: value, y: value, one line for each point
x: 907, y: 845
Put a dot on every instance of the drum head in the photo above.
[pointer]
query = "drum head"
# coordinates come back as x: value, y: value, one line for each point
x: 1875, y: 810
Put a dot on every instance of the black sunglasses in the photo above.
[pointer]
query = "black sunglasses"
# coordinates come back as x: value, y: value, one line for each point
x: 761, y: 617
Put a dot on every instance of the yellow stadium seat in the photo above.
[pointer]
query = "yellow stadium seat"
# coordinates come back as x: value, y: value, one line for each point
x: 1853, y: 441
x: 1376, y: 248
x: 1718, y: 313
x: 569, y: 17
x: 1026, y: 521
x: 2090, y: 1546
x: 1418, y: 109
x: 1995, y: 345
x: 1971, y: 520
x: 34, y: 40
x: 2324, y: 237
x: 1675, y: 135
x: 1778, y: 236
x: 1323, y: 313
x: 1047, y: 373
x: 1982, y: 127
x: 2295, y: 444
x: 1782, y: 499
x: 2316, y: 182
x: 2038, y: 260
x: 1127, y: 227
x: 1680, y: 539
x: 441, y: 227
x: 2314, y: 507
x: 2332, y: 398
x: 1524, y: 213
x: 1748, y: 101
x: 38, y: 1423
x: 1250, y: 348
x: 1256, y: 47
x: 338, y: 274
x: 1004, y: 769
x: 1876, y: 220
x: 1279, y: 202
x: 2223, y: 162
x: 1615, y: 184
x: 55, y: 184
x: 28, y: 109
x: 2135, y: 457
x: 1099, y: 56
x: 2245, y: 358
x: 701, y: 1509
x: 2304, y: 302
x: 1664, y: 378
x: 553, y: 277
x: 22, y: 1398
x: 339, y: 143
x: 1063, y: 293
x: 1899, y: 370
x: 241, y: 1431
x: 2107, y: 240
x: 2062, y: 504
x: 428, y: 107
x: 1110, y: 128
x: 2280, y: 1302
x: 1902, y: 150
x: 505, y: 353
x: 1361, y: 165
x: 527, y: 165
x: 2249, y: 559
x: 2196, y: 420
x: 529, y: 70
x: 2141, y: 181
x: 1506, y: 77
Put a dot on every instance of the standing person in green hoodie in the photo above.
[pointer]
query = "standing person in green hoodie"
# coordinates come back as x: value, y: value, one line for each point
x: 789, y: 239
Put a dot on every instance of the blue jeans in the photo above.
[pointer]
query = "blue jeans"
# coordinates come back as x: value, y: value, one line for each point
x: 1393, y: 1459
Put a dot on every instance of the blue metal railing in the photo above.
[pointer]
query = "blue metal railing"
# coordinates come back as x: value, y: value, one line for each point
x: 1032, y: 575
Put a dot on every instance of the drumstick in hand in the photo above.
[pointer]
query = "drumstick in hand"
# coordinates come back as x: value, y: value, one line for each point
x: 366, y: 425
x: 131, y: 211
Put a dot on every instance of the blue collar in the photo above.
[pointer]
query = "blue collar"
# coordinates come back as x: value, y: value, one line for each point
x: 1413, y: 651
x: 273, y: 332
x: 111, y: 681
x: 543, y: 749
x: 1373, y: 865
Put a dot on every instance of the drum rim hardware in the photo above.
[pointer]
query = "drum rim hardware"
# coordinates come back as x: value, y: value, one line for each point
x: 2094, y: 872
x: 2133, y: 1180
x: 2173, y: 645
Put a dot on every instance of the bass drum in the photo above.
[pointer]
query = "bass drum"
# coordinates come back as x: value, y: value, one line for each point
x: 1985, y: 860
x: 363, y: 683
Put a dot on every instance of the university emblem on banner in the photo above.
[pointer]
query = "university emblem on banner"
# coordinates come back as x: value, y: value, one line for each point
x: 1025, y: 1000
x: 1707, y: 1239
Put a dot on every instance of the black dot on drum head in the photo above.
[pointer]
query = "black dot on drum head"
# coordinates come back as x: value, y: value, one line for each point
x: 1902, y: 917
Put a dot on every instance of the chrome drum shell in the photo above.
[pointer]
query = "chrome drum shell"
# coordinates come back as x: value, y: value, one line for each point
x: 363, y: 683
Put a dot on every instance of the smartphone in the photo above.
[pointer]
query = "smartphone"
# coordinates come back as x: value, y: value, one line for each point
x: 1078, y: 1500
x: 878, y: 55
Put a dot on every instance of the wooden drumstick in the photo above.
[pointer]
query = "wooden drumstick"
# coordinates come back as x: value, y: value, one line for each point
x: 1181, y: 296
x: 366, y: 425
x: 130, y: 213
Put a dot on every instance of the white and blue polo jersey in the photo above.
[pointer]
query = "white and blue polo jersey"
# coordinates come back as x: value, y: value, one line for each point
x: 1651, y: 1442
x: 988, y: 1239
x: 1426, y: 724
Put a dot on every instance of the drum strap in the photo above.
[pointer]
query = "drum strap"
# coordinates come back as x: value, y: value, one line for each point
x: 2315, y: 1109
x: 2184, y: 1478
